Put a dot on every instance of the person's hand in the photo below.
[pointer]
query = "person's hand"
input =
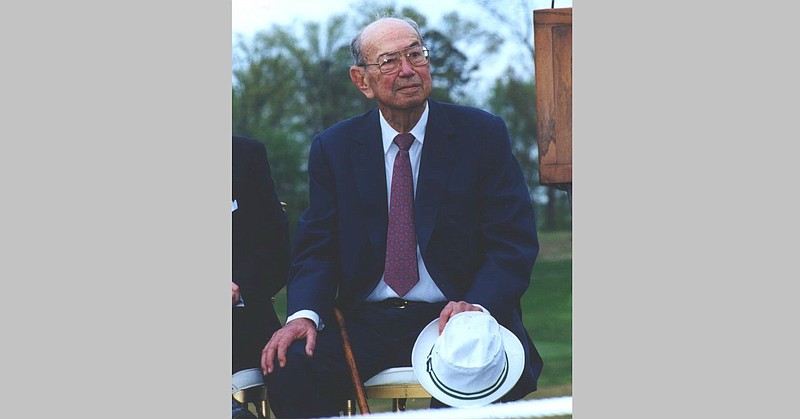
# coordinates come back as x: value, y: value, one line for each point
x: 296, y: 329
x: 235, y: 294
x: 451, y: 309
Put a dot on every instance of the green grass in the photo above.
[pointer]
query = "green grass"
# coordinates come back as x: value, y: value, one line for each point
x: 547, y: 314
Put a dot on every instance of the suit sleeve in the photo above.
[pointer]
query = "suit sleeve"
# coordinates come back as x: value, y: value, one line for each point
x: 314, y: 272
x: 507, y: 232
x: 262, y: 271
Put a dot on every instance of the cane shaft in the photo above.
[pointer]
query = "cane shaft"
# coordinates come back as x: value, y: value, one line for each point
x: 361, y: 396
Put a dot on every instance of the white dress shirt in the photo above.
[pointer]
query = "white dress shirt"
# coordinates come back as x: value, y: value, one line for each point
x: 425, y: 289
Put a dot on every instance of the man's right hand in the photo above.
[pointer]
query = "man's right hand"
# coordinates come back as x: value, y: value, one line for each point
x: 296, y: 329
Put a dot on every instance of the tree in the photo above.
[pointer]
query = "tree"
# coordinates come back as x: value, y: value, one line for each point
x: 518, y: 21
x: 286, y: 89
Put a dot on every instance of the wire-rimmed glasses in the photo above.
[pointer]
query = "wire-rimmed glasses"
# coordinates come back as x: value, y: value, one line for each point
x: 390, y: 63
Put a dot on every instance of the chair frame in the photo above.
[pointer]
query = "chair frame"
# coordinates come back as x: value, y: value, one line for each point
x: 398, y: 392
x: 258, y: 397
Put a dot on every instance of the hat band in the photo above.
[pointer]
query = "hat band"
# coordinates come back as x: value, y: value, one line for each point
x: 462, y: 395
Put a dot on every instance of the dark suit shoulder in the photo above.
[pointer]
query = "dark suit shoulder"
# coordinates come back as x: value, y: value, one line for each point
x: 460, y: 113
x: 246, y: 143
x: 351, y: 127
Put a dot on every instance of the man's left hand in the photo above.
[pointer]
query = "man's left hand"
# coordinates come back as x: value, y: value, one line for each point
x: 451, y: 309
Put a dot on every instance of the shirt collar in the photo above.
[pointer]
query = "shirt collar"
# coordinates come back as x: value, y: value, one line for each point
x: 388, y: 133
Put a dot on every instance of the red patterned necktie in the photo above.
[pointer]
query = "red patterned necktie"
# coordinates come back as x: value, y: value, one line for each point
x: 401, y: 272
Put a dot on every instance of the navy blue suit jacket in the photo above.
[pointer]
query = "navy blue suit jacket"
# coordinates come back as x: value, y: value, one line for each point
x: 475, y: 223
x: 259, y: 251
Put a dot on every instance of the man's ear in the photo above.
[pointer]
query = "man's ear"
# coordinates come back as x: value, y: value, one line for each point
x: 359, y: 77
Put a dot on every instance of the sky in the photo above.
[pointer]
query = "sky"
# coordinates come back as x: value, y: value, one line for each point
x: 251, y: 16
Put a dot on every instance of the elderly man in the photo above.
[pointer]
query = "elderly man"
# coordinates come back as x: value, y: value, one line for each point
x: 418, y: 210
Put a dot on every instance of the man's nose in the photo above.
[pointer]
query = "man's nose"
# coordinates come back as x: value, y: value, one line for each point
x: 405, y: 66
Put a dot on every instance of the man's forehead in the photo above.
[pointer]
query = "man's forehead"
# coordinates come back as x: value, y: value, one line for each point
x: 389, y: 36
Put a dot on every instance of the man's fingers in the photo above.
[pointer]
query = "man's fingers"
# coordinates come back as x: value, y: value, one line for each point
x: 234, y: 293
x: 279, y: 343
x: 311, y: 343
x: 451, y: 309
x: 283, y: 347
x: 267, y: 355
x: 444, y: 316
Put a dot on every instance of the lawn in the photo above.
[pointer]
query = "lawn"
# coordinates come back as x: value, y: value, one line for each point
x: 547, y: 313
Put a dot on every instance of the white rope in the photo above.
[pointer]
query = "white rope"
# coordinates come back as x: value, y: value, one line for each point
x: 537, y: 408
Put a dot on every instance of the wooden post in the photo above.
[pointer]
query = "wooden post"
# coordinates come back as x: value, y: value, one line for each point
x: 552, y: 29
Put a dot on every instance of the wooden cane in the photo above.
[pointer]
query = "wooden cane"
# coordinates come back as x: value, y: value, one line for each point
x: 361, y: 396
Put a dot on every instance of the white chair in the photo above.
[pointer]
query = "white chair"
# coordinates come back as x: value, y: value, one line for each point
x: 247, y: 386
x: 398, y: 384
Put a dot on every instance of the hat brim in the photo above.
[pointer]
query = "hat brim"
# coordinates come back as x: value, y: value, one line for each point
x: 423, y: 345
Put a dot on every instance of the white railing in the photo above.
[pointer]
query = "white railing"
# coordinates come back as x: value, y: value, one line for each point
x: 538, y: 408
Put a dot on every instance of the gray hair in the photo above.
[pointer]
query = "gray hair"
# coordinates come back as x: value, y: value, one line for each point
x: 355, y: 44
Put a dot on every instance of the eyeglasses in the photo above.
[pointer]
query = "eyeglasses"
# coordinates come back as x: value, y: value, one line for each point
x: 390, y: 63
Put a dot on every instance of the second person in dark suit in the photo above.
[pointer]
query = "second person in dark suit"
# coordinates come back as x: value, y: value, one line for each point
x: 260, y: 253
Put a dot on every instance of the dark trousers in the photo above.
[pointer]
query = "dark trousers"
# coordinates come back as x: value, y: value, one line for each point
x: 251, y: 328
x: 318, y: 386
x: 239, y: 411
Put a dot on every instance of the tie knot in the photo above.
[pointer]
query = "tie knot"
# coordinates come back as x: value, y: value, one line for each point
x: 404, y: 141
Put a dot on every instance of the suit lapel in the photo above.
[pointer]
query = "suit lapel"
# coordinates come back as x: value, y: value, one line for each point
x: 370, y: 173
x: 434, y: 171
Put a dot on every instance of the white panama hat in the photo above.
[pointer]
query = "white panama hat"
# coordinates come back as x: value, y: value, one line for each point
x: 474, y: 362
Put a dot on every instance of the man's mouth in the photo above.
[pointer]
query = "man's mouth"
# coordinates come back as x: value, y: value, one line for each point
x: 409, y: 87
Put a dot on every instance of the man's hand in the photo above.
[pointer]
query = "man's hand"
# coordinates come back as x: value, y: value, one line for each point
x: 235, y: 294
x: 451, y: 309
x: 296, y: 329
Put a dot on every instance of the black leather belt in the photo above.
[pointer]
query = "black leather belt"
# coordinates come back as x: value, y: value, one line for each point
x: 396, y: 303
